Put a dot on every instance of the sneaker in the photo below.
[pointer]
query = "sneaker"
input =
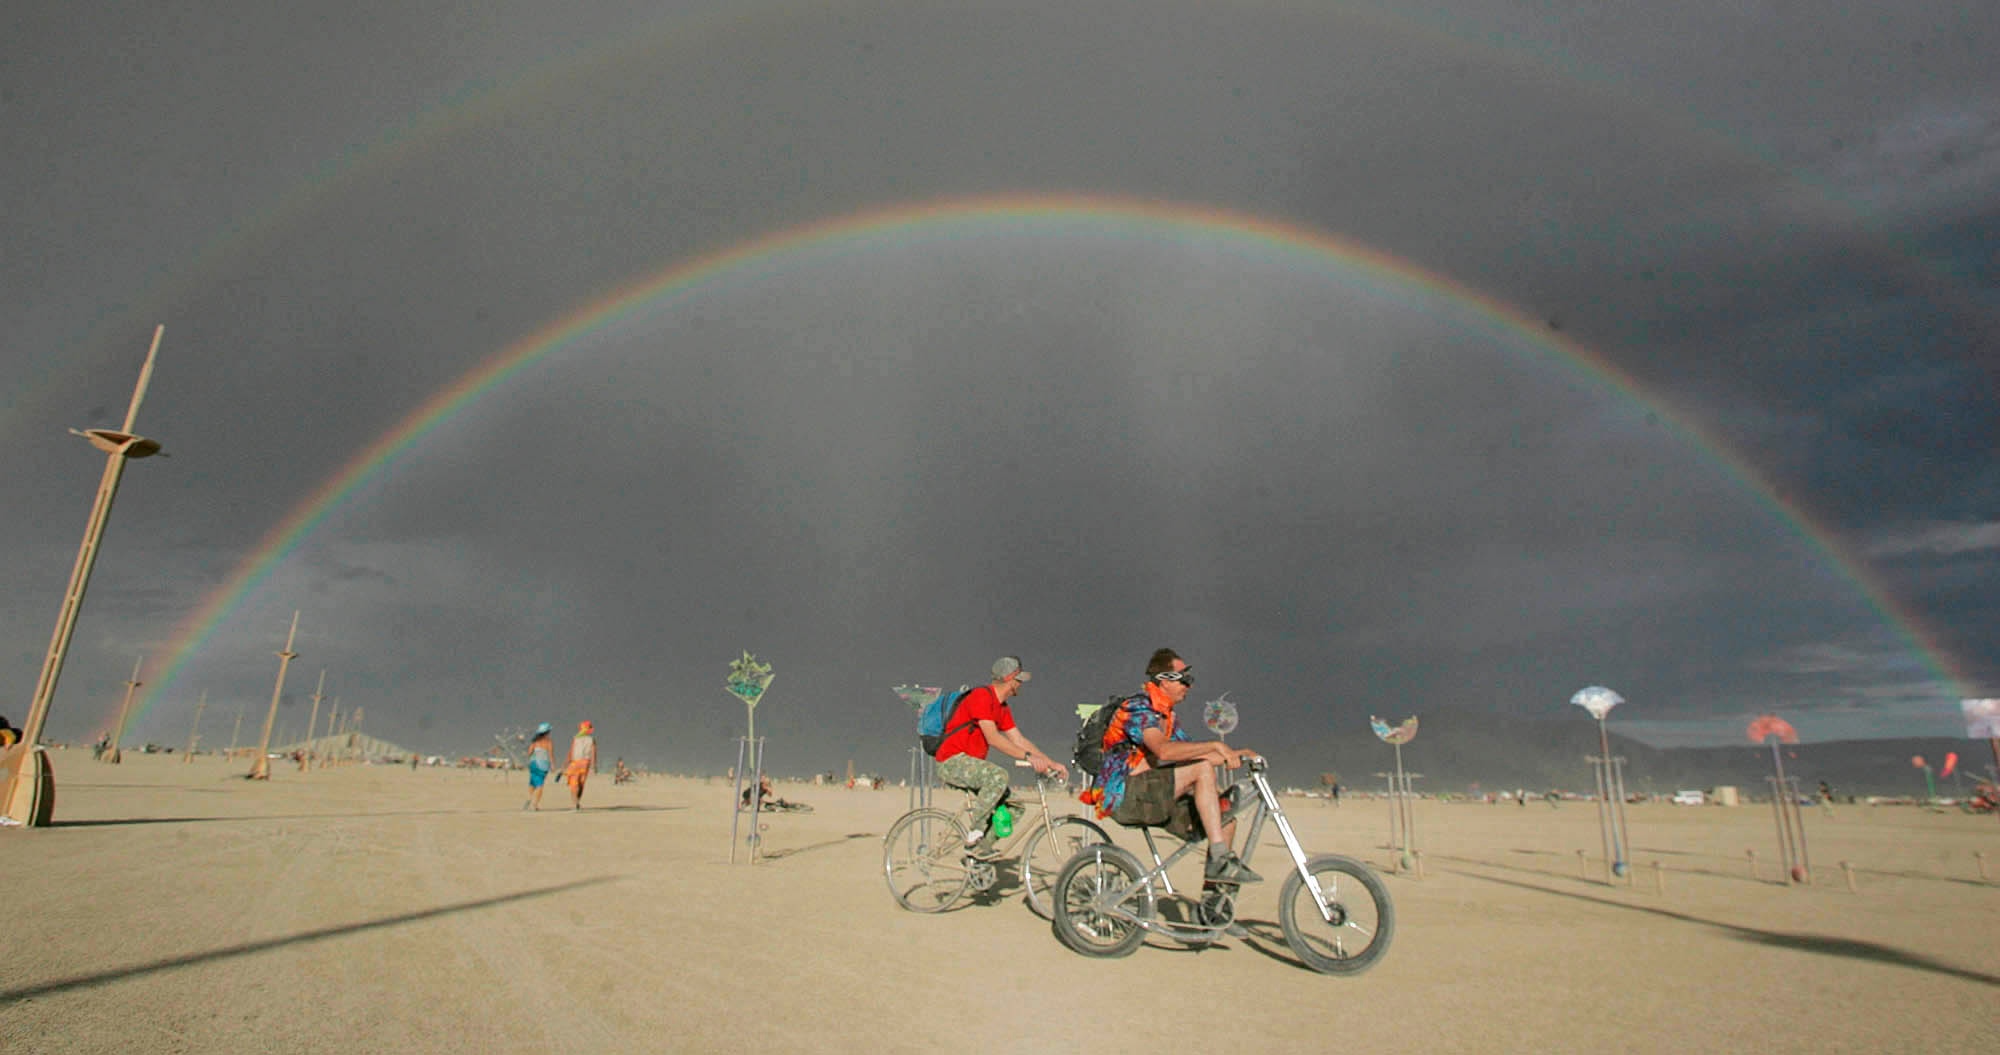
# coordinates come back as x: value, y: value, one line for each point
x: 979, y: 845
x: 1230, y: 869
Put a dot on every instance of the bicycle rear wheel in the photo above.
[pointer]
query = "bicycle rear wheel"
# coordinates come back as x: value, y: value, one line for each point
x: 923, y: 858
x: 1101, y: 931
x: 1354, y: 931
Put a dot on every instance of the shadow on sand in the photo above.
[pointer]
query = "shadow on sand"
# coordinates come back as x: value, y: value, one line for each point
x: 104, y: 822
x: 87, y: 981
x: 779, y: 855
x: 1813, y: 943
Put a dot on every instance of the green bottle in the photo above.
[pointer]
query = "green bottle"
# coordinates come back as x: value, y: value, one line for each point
x: 1003, y: 822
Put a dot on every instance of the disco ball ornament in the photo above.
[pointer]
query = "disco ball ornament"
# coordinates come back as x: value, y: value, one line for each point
x: 1219, y: 716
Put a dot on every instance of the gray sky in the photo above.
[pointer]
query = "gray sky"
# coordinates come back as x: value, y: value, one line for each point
x: 1070, y: 435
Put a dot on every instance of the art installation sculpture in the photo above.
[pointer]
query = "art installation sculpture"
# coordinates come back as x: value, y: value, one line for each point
x: 1784, y: 797
x: 1610, y: 773
x: 1402, y: 816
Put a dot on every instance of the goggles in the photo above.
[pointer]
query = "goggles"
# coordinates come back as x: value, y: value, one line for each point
x: 1183, y: 677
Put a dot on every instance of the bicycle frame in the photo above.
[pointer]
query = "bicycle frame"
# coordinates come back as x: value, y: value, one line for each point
x: 939, y: 857
x: 1021, y: 831
x: 1265, y: 806
x: 1107, y: 900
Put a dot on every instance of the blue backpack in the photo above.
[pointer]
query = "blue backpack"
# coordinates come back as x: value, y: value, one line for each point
x: 934, y: 721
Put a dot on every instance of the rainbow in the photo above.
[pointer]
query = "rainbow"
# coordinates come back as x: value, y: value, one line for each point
x: 478, y: 103
x: 972, y: 216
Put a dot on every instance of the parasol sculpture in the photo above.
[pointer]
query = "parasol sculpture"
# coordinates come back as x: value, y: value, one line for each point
x: 1784, y: 796
x: 1613, y: 832
x: 1402, y: 817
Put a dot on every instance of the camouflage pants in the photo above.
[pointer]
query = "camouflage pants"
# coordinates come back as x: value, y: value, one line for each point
x: 976, y: 775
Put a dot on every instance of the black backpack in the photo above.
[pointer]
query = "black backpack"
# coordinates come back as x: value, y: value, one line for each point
x: 1088, y: 753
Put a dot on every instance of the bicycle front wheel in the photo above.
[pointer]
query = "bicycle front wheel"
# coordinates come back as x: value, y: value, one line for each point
x: 1355, y: 929
x: 923, y: 858
x: 1100, y: 902
x: 1047, y: 850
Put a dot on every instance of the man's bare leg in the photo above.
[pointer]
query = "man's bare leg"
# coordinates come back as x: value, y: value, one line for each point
x: 1198, y: 779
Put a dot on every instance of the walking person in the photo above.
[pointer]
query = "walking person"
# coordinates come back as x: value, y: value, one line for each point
x: 541, y: 759
x: 582, y: 761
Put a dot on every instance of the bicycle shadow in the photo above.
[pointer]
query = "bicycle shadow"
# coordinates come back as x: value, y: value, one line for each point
x: 779, y: 855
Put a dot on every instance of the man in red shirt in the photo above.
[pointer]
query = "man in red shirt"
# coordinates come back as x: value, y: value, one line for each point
x: 984, y: 720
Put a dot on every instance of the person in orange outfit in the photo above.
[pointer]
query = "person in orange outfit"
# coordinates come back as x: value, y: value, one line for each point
x: 582, y: 762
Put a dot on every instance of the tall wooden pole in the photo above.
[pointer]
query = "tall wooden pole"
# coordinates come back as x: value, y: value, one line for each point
x: 124, y: 711
x: 261, y: 768
x: 194, y: 733
x: 318, y: 695
x: 26, y: 777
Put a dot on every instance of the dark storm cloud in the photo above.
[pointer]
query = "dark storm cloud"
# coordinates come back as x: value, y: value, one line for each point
x: 897, y: 460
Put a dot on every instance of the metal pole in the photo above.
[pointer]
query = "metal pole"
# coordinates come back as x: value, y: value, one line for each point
x: 124, y: 709
x: 233, y: 733
x: 1786, y: 800
x: 1598, y: 768
x: 1617, y: 838
x: 1624, y: 866
x: 261, y: 768
x: 756, y: 800
x: 736, y: 797
x: 194, y: 733
x: 1784, y: 837
x: 1395, y: 814
x: 1799, y: 823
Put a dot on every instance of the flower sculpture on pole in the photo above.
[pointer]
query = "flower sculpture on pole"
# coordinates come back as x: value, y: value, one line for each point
x: 1599, y: 700
x: 748, y: 680
x: 1219, y: 716
x: 1784, y: 797
x: 1402, y: 815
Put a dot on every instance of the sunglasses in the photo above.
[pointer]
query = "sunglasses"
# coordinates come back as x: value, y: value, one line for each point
x: 1185, y: 677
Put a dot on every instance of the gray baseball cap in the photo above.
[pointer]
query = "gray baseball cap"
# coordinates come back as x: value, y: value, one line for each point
x: 1009, y: 667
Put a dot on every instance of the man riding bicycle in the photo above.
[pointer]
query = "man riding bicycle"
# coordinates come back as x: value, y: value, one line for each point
x: 1150, y: 768
x: 984, y: 719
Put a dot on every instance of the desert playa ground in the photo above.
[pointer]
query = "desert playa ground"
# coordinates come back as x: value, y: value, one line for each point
x: 175, y: 907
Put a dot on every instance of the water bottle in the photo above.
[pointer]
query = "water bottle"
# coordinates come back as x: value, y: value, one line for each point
x: 1003, y: 822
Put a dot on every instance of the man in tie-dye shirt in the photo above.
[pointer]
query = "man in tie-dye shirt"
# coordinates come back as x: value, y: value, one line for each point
x: 1148, y: 758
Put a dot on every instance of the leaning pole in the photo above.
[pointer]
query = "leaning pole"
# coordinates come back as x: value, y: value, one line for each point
x: 260, y: 769
x: 29, y: 789
x: 125, y: 711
